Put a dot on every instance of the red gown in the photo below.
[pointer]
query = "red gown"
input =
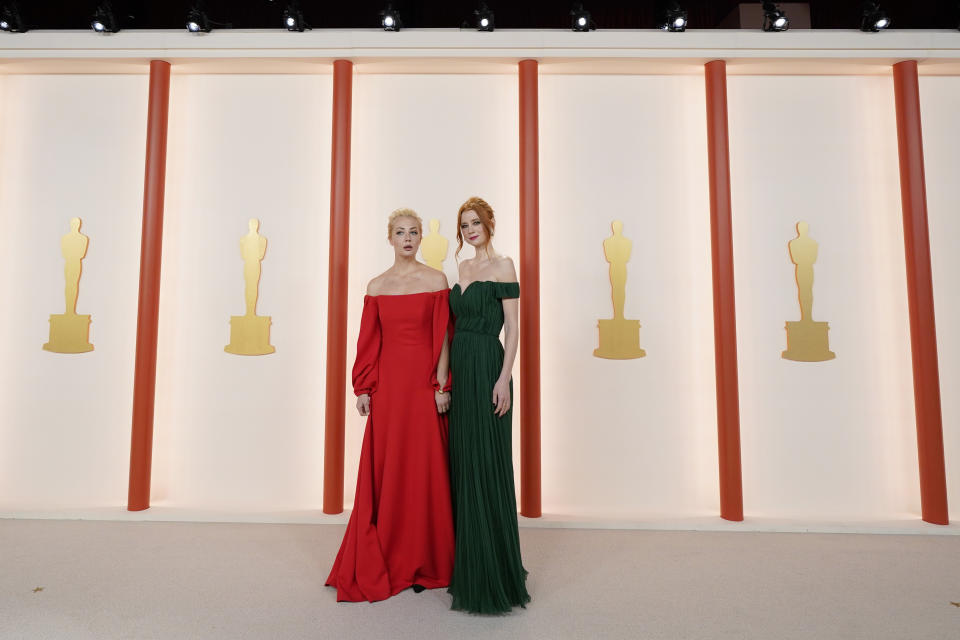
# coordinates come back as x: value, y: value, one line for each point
x: 401, y: 530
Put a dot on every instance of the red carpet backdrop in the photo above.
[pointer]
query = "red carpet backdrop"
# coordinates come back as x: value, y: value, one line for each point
x: 561, y: 133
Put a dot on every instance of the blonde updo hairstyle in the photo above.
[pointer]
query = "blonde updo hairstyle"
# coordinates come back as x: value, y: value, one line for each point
x: 402, y: 213
x: 483, y: 210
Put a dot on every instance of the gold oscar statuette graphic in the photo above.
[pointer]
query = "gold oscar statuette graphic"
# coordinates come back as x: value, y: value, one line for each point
x: 806, y: 340
x: 619, y: 337
x: 250, y: 333
x: 433, y: 247
x: 70, y: 332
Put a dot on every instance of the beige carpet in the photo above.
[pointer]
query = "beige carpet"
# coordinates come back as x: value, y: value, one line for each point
x: 178, y: 580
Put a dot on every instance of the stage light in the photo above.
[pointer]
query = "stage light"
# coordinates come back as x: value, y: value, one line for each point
x: 10, y: 20
x: 674, y: 18
x: 197, y: 20
x: 483, y: 18
x: 390, y: 19
x: 580, y: 19
x: 873, y: 17
x: 104, y: 20
x: 773, y: 18
x: 293, y: 18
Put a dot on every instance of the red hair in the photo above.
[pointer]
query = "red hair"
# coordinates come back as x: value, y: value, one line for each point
x: 483, y: 210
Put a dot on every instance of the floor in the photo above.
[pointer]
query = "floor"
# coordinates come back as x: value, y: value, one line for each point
x: 92, y: 579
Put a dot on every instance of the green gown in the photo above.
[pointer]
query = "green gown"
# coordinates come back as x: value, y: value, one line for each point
x: 488, y: 575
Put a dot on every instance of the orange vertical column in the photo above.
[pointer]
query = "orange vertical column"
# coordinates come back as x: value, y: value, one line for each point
x: 145, y: 364
x: 529, y: 292
x: 724, y: 312
x: 337, y: 287
x: 923, y: 331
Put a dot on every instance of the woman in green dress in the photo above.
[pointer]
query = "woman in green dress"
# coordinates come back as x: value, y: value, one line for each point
x: 488, y: 575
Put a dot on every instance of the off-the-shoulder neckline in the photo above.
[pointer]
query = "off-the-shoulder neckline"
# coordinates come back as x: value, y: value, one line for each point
x: 464, y: 290
x: 400, y: 295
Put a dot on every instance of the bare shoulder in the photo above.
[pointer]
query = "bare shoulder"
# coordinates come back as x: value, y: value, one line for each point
x: 376, y: 285
x: 438, y: 280
x: 464, y: 267
x: 504, y: 269
x: 433, y: 279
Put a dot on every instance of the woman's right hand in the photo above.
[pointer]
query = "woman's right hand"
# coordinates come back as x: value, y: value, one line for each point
x: 363, y: 404
x: 442, y: 398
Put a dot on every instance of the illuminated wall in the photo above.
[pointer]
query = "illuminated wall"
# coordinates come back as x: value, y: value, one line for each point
x: 940, y: 101
x: 69, y: 146
x: 427, y: 142
x: 243, y: 432
x: 834, y: 438
x: 622, y: 437
x: 632, y: 439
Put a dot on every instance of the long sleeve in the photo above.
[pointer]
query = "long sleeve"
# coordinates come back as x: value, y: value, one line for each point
x: 366, y: 368
x: 441, y: 327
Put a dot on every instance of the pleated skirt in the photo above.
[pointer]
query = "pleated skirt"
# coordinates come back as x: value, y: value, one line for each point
x: 488, y: 574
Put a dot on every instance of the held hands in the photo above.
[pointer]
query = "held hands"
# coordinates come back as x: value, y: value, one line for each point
x: 363, y: 404
x: 443, y: 401
x: 501, y: 397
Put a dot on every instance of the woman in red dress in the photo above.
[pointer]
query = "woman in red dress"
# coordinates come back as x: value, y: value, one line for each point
x: 400, y: 532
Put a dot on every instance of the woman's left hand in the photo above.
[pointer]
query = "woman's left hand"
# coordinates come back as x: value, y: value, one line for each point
x: 443, y: 401
x: 501, y: 397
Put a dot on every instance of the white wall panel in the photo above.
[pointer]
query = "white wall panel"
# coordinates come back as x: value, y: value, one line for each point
x: 69, y: 146
x: 427, y: 142
x: 243, y: 432
x: 836, y: 438
x: 626, y: 438
x: 621, y: 439
x: 940, y: 106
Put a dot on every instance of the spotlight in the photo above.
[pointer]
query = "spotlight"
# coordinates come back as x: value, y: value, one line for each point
x: 873, y: 17
x: 483, y: 18
x: 293, y: 18
x: 10, y: 19
x: 104, y: 20
x: 773, y: 18
x: 675, y: 18
x: 197, y: 21
x: 580, y: 19
x: 390, y: 19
